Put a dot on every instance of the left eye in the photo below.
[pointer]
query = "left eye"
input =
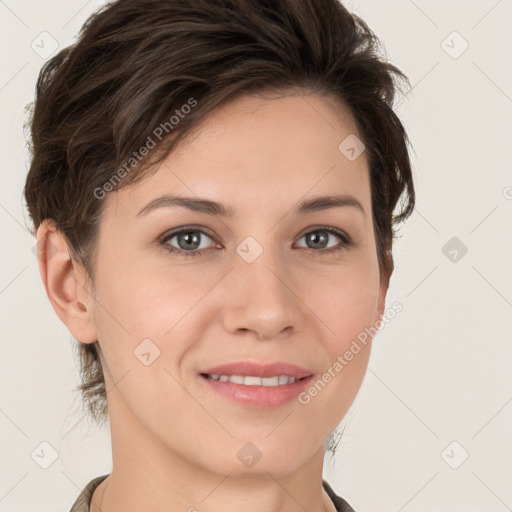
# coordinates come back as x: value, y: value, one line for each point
x: 189, y: 241
x: 319, y: 235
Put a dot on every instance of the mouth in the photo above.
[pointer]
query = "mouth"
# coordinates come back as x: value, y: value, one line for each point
x: 254, y: 380
x: 255, y: 384
x: 254, y: 391
x: 250, y: 371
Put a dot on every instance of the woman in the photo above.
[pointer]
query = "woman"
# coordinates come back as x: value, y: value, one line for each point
x: 213, y: 185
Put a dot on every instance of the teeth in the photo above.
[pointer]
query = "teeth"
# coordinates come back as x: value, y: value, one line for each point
x: 249, y: 380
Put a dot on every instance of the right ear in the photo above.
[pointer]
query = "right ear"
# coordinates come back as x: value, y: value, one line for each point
x: 65, y: 282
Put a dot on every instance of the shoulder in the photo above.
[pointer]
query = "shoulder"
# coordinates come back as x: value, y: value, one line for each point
x: 83, y: 501
x: 340, y: 504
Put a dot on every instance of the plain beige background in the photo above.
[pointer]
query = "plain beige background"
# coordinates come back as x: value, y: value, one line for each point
x: 431, y: 427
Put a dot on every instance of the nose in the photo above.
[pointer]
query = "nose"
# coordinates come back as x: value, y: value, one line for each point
x: 260, y: 298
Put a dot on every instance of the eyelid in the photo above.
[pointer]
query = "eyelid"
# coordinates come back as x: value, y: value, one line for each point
x: 347, y: 239
x: 176, y: 231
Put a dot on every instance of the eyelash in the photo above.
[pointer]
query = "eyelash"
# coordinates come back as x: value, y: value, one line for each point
x: 346, y: 241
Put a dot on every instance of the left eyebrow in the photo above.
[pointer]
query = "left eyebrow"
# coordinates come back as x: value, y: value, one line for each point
x: 214, y: 208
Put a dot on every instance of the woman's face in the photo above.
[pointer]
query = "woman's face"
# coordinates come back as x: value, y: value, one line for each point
x: 258, y: 286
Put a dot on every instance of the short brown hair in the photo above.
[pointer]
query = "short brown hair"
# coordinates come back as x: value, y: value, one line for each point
x: 137, y: 63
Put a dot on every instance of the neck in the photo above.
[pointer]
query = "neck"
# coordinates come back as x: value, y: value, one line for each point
x: 147, y: 475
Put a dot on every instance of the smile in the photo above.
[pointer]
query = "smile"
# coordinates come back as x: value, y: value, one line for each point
x: 250, y: 380
x: 255, y: 392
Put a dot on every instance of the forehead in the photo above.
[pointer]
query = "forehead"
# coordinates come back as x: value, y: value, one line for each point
x: 256, y: 151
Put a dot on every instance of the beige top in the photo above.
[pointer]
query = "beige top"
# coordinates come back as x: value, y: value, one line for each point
x: 83, y: 501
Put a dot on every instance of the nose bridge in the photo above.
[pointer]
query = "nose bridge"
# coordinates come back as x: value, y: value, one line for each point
x: 263, y: 301
x: 263, y: 266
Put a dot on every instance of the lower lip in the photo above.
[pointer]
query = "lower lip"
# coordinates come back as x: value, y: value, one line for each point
x: 258, y: 397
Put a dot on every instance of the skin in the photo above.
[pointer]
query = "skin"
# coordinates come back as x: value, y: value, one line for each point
x: 259, y: 156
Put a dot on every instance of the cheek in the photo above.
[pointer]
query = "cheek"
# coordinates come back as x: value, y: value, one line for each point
x: 126, y: 313
x: 147, y: 316
x: 345, y: 304
x: 347, y: 308
x: 344, y: 298
x: 141, y: 301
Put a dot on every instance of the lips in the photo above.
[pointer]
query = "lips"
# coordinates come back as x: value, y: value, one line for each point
x: 257, y: 369
x: 217, y: 382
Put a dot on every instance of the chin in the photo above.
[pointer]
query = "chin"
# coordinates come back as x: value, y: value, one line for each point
x: 250, y: 462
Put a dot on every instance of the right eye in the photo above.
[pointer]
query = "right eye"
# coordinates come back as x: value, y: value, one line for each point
x: 188, y: 240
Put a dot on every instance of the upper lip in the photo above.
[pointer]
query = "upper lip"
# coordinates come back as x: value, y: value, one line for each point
x: 258, y: 369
